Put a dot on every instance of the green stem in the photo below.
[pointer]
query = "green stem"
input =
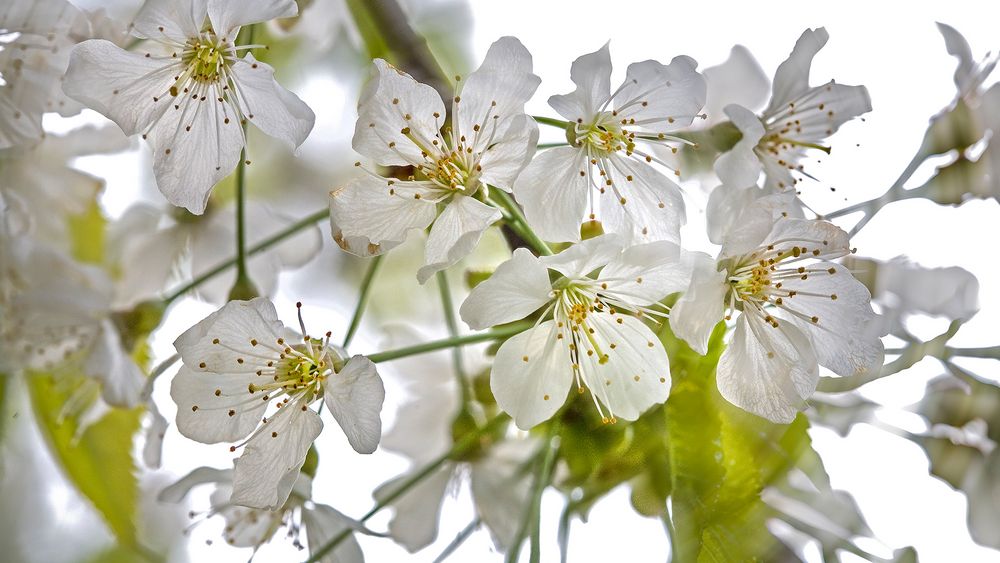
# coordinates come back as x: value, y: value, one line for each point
x: 550, y: 121
x: 495, y: 334
x: 519, y: 224
x: 542, y: 146
x: 989, y: 352
x: 544, y: 478
x: 449, y: 320
x: 466, y: 443
x: 459, y: 540
x: 242, y: 278
x: 274, y: 239
x: 366, y: 287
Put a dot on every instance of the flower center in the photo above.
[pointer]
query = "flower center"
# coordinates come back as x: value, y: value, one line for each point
x: 205, y: 57
x: 605, y: 135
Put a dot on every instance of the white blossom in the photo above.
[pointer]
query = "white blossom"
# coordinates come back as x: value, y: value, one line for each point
x: 796, y: 309
x: 190, y: 95
x: 595, y: 336
x: 253, y: 527
x: 607, y: 173
x: 238, y: 361
x: 400, y: 124
x: 798, y: 118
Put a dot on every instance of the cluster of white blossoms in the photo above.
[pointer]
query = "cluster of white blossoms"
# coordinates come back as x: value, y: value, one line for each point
x: 597, y: 283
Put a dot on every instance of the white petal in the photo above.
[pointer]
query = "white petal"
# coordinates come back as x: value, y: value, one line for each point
x: 504, y: 79
x: 653, y: 208
x: 354, y: 396
x: 264, y: 475
x: 227, y: 16
x: 532, y: 374
x: 196, y: 144
x: 668, y: 97
x: 156, y: 429
x: 951, y: 292
x: 695, y: 314
x: 592, y: 75
x: 235, y: 326
x: 584, y: 257
x: 508, y: 154
x: 386, y: 101
x: 323, y: 523
x: 268, y: 105
x: 739, y: 167
x: 766, y: 370
x: 148, y: 260
x: 210, y: 422
x: 725, y: 207
x: 415, y: 522
x: 821, y: 239
x: 516, y: 289
x: 170, y: 20
x: 634, y: 374
x: 118, y: 84
x: 199, y: 476
x: 455, y: 233
x: 739, y: 80
x: 501, y: 488
x: 646, y: 273
x: 554, y: 194
x: 839, y: 335
x: 121, y: 379
x: 792, y: 77
x: 370, y: 216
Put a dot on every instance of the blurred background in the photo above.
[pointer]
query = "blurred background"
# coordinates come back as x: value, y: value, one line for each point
x: 913, y: 450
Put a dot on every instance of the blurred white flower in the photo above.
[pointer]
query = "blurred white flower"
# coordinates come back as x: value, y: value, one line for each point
x: 57, y: 312
x: 799, y: 117
x: 237, y: 362
x: 595, y: 335
x: 606, y: 173
x: 34, y: 45
x: 399, y: 124
x: 151, y: 244
x: 191, y: 98
x: 253, y: 527
x: 799, y: 310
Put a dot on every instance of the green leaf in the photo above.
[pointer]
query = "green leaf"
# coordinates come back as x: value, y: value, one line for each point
x: 87, y: 231
x: 98, y: 461
x: 721, y: 458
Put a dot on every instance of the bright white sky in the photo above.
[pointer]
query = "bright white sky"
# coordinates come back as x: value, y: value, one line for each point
x: 894, y: 49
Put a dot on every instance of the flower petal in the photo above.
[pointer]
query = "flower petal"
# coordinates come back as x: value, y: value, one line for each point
x: 738, y: 80
x: 518, y: 287
x: 354, y: 396
x: 323, y: 523
x: 532, y: 374
x: 507, y: 155
x: 121, y: 379
x: 554, y: 191
x: 170, y: 20
x: 118, y: 84
x: 584, y: 257
x: 646, y: 273
x: 227, y: 16
x: 501, y: 489
x: 455, y: 233
x: 592, y: 75
x: 792, y: 77
x: 370, y: 215
x: 641, y: 204
x: 842, y: 308
x: 269, y: 106
x: 695, y: 314
x: 495, y: 92
x: 264, y: 475
x: 391, y: 103
x: 628, y: 371
x: 226, y: 336
x: 664, y: 97
x: 415, y: 522
x: 204, y: 416
x: 199, y: 476
x: 766, y: 370
x: 739, y: 166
